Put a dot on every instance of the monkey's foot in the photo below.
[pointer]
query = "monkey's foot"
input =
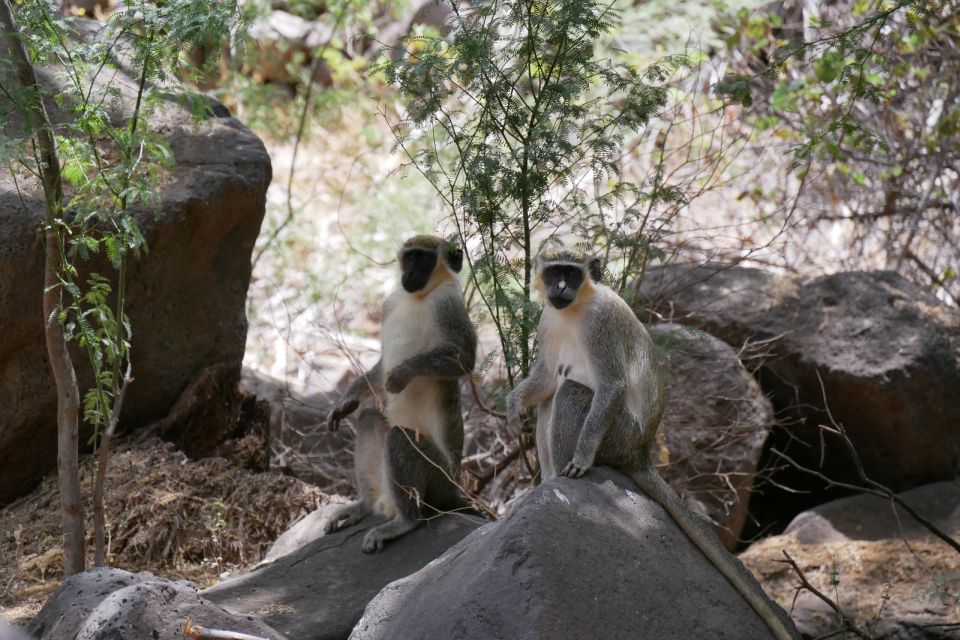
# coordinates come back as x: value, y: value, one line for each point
x: 374, y: 539
x: 347, y: 516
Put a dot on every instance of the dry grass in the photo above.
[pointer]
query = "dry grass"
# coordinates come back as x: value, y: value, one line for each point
x: 166, y: 514
x: 869, y: 574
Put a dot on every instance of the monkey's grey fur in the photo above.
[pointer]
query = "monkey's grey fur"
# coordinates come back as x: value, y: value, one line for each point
x: 599, y: 401
x: 407, y: 458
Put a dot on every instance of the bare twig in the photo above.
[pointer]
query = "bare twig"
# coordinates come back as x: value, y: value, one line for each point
x: 480, y: 403
x: 846, y: 624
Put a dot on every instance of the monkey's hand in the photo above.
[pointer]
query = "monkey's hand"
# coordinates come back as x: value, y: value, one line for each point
x: 515, y: 422
x: 397, y: 380
x: 576, y: 468
x: 341, y: 410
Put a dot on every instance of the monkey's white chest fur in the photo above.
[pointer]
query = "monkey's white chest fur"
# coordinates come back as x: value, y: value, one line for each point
x: 566, y: 357
x: 411, y: 332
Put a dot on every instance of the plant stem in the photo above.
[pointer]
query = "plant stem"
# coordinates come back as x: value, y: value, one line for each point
x: 61, y: 365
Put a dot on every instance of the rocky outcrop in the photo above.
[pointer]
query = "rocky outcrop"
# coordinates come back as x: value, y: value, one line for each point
x: 585, y: 558
x: 107, y: 604
x: 885, y: 350
x: 891, y: 577
x: 186, y: 296
x: 318, y: 591
x: 715, y: 423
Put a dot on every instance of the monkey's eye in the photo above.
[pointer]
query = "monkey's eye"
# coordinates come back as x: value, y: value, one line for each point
x: 419, y: 257
x: 554, y: 272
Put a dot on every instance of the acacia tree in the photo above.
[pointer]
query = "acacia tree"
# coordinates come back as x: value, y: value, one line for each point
x: 111, y: 171
x: 517, y: 119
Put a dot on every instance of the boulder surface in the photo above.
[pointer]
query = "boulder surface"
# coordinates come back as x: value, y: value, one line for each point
x: 111, y: 604
x: 186, y: 296
x: 585, y: 558
x: 880, y: 352
x: 318, y: 592
x: 715, y: 423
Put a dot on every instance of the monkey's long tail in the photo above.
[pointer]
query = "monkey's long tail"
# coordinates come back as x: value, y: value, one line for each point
x: 707, y: 541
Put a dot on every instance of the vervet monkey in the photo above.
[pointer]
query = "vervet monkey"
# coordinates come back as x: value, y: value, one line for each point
x: 599, y: 401
x: 407, y: 458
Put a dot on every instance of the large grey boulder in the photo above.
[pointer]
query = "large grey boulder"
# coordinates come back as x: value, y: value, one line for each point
x: 186, y: 296
x: 585, y: 558
x: 869, y: 517
x: 113, y: 604
x: 885, y: 350
x: 319, y: 591
x: 891, y: 576
x: 715, y: 423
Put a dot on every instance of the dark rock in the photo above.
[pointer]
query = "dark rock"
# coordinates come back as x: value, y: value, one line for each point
x: 885, y: 350
x: 112, y: 604
x: 715, y: 423
x: 318, y: 592
x: 186, y: 296
x: 867, y: 517
x: 586, y: 558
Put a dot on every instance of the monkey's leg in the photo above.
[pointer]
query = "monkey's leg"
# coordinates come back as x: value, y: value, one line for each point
x: 368, y: 454
x: 420, y: 479
x: 621, y: 447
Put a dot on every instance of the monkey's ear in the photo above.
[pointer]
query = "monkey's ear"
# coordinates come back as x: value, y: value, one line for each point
x: 455, y: 259
x: 595, y: 269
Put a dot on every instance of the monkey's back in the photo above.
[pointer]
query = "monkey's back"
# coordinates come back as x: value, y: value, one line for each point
x: 617, y: 327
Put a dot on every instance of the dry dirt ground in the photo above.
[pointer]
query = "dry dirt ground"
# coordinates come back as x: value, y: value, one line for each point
x: 167, y: 514
x: 873, y: 580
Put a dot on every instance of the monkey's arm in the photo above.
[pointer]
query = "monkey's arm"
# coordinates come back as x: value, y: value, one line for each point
x: 446, y: 362
x: 608, y: 357
x: 533, y: 389
x: 361, y: 387
x: 455, y: 356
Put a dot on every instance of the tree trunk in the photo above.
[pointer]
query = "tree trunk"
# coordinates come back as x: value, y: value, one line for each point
x: 68, y: 395
x: 68, y: 415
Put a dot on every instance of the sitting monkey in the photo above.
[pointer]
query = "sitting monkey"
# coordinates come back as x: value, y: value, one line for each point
x: 407, y: 459
x: 599, y: 401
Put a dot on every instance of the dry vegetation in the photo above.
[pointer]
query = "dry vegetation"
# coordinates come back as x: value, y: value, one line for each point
x: 167, y: 514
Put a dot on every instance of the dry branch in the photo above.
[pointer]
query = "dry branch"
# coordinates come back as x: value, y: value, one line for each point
x: 845, y: 623
x: 199, y: 633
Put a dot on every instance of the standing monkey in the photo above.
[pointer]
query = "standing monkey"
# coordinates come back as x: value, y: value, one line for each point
x: 408, y: 457
x: 599, y: 401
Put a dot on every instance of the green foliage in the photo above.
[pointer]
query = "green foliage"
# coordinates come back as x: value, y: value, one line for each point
x: 517, y: 119
x: 111, y: 162
x: 869, y: 100
x: 847, y: 66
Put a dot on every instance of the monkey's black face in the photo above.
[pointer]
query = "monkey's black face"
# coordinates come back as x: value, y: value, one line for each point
x: 561, y: 282
x: 417, y: 265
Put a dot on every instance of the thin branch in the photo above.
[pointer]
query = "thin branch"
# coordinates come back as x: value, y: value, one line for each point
x: 845, y: 623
